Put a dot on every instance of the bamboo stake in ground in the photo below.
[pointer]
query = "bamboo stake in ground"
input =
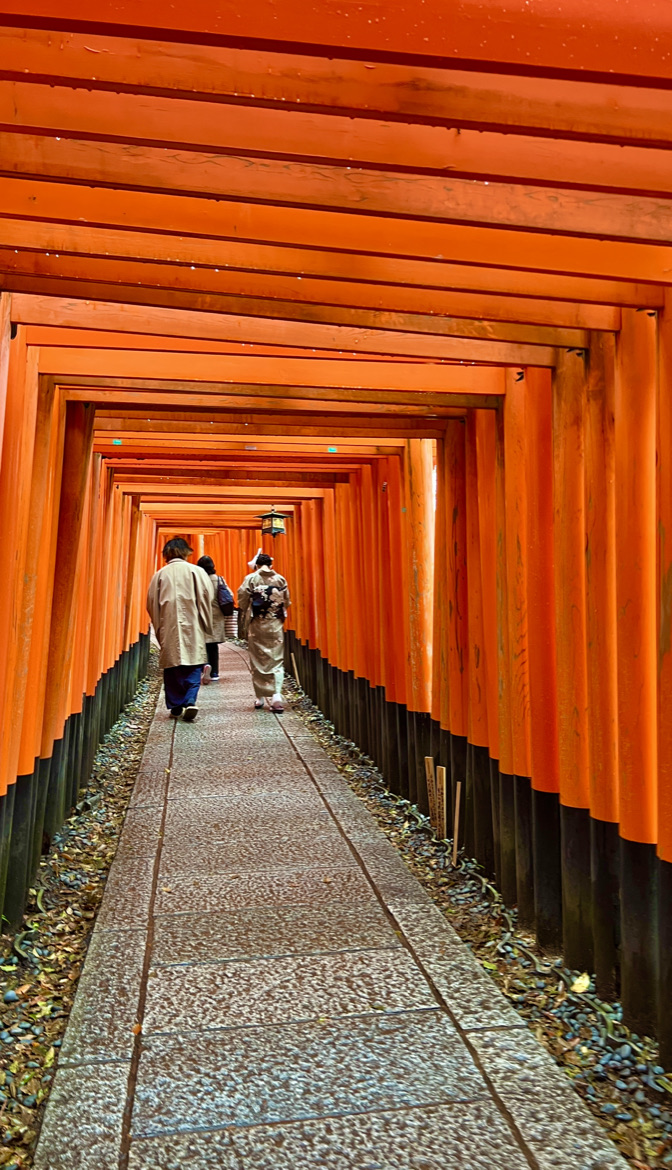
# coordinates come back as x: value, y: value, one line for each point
x: 457, y: 821
x: 431, y: 789
x: 441, y: 826
x: 296, y: 672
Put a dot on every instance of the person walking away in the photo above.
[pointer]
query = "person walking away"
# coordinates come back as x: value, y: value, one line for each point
x: 244, y: 613
x: 265, y: 599
x: 222, y: 606
x: 179, y: 602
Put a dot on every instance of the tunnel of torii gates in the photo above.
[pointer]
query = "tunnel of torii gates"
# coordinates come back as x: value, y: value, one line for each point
x: 402, y: 270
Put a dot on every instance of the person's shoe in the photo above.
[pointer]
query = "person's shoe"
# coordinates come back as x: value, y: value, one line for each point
x: 258, y: 704
x: 190, y: 714
x: 205, y: 678
x: 277, y: 704
x: 175, y: 712
x: 214, y: 678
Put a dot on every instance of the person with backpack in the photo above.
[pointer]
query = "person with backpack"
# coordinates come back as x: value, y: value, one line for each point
x: 221, y: 600
x: 263, y: 598
x: 178, y: 602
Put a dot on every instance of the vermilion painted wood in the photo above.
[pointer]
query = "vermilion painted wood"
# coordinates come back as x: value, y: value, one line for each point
x: 456, y: 597
x: 420, y: 551
x: 516, y: 502
x: 664, y: 578
x: 16, y: 479
x: 569, y: 528
x: 405, y: 92
x: 52, y: 314
x: 503, y: 630
x: 62, y: 362
x: 376, y: 235
x: 439, y: 634
x: 615, y: 41
x: 601, y: 609
x: 458, y: 305
x: 635, y: 465
x: 40, y: 561
x: 5, y: 325
x: 543, y: 719
x: 486, y: 436
x: 76, y: 464
x: 398, y: 577
x: 476, y: 650
x: 329, y: 139
x: 516, y: 206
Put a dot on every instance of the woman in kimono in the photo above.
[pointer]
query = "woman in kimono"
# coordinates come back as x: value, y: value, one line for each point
x: 244, y: 614
x: 264, y: 598
x: 211, y: 670
x: 179, y: 604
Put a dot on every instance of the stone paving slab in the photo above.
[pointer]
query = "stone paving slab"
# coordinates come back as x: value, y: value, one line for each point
x: 270, y: 930
x: 283, y: 989
x: 244, y: 851
x: 288, y: 886
x: 217, y: 782
x: 434, y: 1138
x: 106, y: 1008
x: 293, y: 1071
x: 128, y: 893
x: 301, y: 1001
x: 83, y: 1124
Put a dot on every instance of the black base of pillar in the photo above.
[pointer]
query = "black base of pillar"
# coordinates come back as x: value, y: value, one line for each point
x: 20, y: 850
x: 577, y: 908
x: 508, y: 881
x: 547, y: 874
x: 484, y: 843
x: 605, y: 879
x: 522, y: 800
x: 458, y: 772
x: 665, y: 962
x: 494, y: 815
x: 639, y: 936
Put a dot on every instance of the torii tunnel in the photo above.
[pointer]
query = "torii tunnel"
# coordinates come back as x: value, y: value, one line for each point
x: 402, y: 271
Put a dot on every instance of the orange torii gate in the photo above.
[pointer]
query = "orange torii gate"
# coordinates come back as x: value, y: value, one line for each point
x: 406, y: 276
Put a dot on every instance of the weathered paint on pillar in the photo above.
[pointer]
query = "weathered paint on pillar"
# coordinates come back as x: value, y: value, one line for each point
x: 569, y: 529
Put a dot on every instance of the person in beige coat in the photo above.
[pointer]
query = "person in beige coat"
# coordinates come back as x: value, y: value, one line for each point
x: 179, y: 602
x: 263, y: 597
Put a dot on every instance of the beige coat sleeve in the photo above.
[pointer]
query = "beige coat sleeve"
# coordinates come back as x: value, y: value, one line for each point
x: 153, y: 608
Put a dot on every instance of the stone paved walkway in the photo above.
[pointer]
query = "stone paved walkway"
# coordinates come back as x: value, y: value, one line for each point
x: 302, y: 1003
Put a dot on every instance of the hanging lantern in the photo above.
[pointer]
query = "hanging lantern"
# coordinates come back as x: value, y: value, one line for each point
x: 272, y: 523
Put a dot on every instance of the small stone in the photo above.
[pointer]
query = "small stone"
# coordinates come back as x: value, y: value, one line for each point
x: 10, y: 997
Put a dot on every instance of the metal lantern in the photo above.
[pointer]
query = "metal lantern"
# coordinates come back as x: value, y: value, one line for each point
x: 273, y: 523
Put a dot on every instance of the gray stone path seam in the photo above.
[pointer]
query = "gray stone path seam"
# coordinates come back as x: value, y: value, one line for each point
x: 257, y: 1056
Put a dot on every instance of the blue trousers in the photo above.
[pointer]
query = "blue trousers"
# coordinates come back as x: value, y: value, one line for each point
x: 181, y: 684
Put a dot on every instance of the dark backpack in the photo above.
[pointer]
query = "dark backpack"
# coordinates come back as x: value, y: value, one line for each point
x: 224, y: 597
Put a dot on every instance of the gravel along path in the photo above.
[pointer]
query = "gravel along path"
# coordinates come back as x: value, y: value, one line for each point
x: 616, y: 1073
x: 41, y: 963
